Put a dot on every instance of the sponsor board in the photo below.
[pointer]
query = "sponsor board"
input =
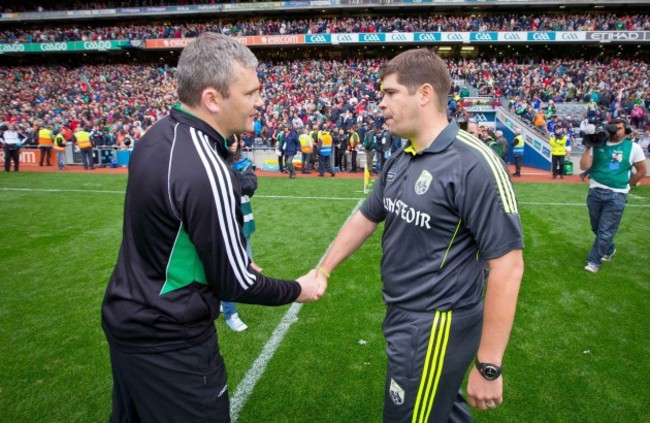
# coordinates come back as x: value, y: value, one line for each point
x: 26, y: 156
x: 249, y: 6
x: 512, y: 36
x: 210, y: 7
x: 52, y: 46
x: 318, y: 39
x: 63, y: 46
x: 94, y: 12
x: 483, y: 36
x: 480, y: 108
x: 12, y: 48
x: 455, y: 36
x: 372, y: 38
x: 484, y: 119
x: 129, y: 10
x: 427, y: 36
x: 97, y: 45
x: 257, y: 40
x: 345, y: 38
x: 541, y: 36
x: 168, y: 43
x: 570, y: 36
x: 399, y: 37
x: 619, y: 36
x: 276, y: 39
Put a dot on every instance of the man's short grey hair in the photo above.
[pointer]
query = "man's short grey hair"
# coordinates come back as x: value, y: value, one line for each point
x: 209, y: 62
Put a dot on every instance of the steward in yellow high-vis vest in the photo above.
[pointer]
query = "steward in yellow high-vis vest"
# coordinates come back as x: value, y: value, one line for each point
x: 558, y: 143
x: 305, y: 143
x: 59, y: 148
x: 45, y: 137
x: 45, y: 140
x: 82, y: 139
x: 85, y: 144
x: 306, y: 148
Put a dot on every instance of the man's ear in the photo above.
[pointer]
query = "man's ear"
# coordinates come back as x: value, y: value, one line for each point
x: 212, y: 100
x: 425, y: 94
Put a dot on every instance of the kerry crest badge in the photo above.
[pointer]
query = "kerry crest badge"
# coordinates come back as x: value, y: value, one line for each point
x: 423, y: 182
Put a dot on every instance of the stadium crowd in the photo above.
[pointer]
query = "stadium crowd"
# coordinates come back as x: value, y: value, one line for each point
x: 39, y: 6
x: 319, y: 25
x: 122, y: 101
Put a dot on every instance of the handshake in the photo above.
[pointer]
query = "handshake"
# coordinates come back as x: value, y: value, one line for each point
x: 313, y: 285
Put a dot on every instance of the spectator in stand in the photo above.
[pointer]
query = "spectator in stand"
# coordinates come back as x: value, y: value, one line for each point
x: 550, y: 126
x: 540, y: 120
x: 636, y: 115
x: 311, y: 90
x: 264, y: 26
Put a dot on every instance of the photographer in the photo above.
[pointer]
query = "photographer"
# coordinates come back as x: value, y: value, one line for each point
x: 610, y: 156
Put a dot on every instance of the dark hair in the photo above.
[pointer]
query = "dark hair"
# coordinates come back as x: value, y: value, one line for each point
x: 417, y: 67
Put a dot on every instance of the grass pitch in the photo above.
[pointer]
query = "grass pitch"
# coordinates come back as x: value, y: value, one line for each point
x: 578, y: 352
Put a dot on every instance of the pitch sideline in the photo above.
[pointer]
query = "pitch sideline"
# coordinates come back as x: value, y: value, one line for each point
x: 253, y: 375
x: 291, y: 197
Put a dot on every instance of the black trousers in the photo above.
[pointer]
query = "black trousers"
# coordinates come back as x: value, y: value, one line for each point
x: 428, y: 356
x: 46, y: 155
x: 557, y: 163
x: 187, y: 385
x: 11, y: 154
x: 353, y: 160
x: 518, y: 164
x: 324, y: 165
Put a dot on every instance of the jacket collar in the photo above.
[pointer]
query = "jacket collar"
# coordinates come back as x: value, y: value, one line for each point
x: 442, y: 141
x: 178, y: 114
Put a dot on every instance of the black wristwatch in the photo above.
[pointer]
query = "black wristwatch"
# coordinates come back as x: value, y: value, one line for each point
x: 488, y: 371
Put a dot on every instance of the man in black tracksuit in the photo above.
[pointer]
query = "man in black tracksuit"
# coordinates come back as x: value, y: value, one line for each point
x: 183, y: 247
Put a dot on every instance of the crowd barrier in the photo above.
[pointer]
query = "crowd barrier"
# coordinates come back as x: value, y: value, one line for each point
x: 102, y: 156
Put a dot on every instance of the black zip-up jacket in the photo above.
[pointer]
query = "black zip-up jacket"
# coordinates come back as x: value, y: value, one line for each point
x: 183, y: 249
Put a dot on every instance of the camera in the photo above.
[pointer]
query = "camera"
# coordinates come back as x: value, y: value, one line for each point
x: 597, y: 135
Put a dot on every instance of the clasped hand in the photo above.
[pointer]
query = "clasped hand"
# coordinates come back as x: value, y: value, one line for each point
x: 313, y: 286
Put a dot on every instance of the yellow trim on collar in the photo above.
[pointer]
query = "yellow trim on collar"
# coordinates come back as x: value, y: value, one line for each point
x: 410, y: 149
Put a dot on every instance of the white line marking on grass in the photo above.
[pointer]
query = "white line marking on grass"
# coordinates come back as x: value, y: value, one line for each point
x: 100, y: 191
x: 288, y: 197
x: 537, y: 203
x: 292, y: 197
x: 254, y: 374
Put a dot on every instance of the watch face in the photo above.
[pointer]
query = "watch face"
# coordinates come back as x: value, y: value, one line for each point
x: 490, y: 372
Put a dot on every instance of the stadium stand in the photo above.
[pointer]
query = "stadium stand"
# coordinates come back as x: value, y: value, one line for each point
x: 117, y: 72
